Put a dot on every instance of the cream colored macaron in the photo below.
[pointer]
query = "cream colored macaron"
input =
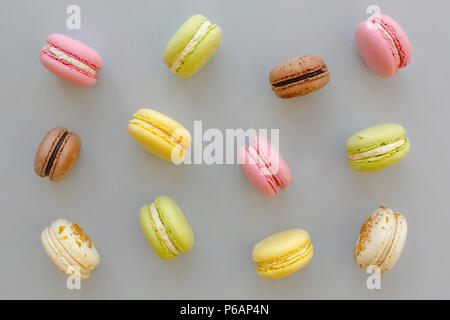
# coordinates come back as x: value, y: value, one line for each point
x: 69, y: 248
x: 381, y: 240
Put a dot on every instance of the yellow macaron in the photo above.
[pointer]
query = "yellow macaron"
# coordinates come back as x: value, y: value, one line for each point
x: 282, y: 253
x: 160, y: 135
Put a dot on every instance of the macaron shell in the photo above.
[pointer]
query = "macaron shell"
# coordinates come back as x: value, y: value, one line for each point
x: 201, y: 54
x: 45, y: 149
x: 77, y: 49
x: 380, y: 162
x: 375, y: 49
x: 373, y: 137
x: 150, y: 233
x: 177, y: 227
x: 279, y: 244
x: 181, y: 38
x: 294, y: 67
x: 77, y: 243
x: 273, y: 160
x: 66, y: 71
x: 66, y: 158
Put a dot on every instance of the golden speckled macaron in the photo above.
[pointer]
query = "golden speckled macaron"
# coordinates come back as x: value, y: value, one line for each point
x: 282, y: 253
x: 69, y: 248
x: 381, y: 240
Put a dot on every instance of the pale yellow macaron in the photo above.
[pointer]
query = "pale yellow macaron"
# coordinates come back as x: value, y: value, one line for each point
x: 160, y: 135
x: 69, y: 248
x: 381, y: 240
x: 282, y: 253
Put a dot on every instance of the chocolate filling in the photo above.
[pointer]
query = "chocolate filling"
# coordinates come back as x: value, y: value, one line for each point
x: 54, y: 153
x: 299, y: 78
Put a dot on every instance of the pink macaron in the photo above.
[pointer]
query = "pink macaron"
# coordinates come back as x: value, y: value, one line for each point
x: 383, y: 45
x: 71, y: 60
x: 264, y: 166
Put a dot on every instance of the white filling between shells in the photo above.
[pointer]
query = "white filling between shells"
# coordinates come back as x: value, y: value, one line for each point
x: 377, y: 151
x: 201, y: 32
x: 64, y: 57
x: 162, y: 230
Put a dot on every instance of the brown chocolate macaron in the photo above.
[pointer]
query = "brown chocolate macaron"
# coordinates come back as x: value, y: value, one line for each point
x: 299, y: 76
x: 57, y: 154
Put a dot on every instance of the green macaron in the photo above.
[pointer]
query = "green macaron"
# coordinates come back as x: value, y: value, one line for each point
x: 166, y: 228
x: 192, y: 46
x: 377, y: 147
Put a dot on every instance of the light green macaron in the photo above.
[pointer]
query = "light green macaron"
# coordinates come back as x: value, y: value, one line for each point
x: 377, y: 147
x: 192, y: 46
x: 166, y: 228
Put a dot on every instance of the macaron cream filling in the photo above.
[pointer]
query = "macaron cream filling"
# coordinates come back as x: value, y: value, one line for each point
x: 289, y: 259
x: 161, y: 229
x: 201, y: 32
x: 60, y: 55
x: 377, y: 151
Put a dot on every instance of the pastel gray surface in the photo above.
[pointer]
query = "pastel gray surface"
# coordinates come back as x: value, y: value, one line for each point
x: 114, y: 177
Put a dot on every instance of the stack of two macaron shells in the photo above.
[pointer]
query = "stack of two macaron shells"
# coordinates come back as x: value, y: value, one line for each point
x: 69, y: 248
x: 71, y: 60
x: 381, y: 240
x: 264, y: 166
x: 383, y: 45
x: 57, y: 154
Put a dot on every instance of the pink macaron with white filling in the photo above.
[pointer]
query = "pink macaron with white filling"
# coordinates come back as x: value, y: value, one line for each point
x: 383, y: 45
x: 264, y: 166
x: 71, y: 60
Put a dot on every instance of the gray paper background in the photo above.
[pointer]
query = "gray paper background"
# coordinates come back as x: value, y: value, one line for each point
x: 114, y: 176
